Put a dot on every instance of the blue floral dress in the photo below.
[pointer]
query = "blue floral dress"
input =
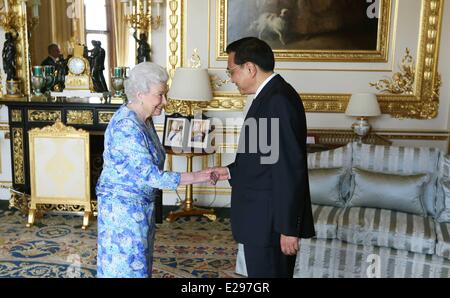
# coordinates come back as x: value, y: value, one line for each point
x: 133, y: 170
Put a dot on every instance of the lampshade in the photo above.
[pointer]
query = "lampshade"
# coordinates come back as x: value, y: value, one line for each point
x: 363, y: 105
x: 190, y: 84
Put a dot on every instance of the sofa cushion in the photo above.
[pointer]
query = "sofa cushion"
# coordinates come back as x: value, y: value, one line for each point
x: 443, y: 240
x: 401, y: 160
x: 388, y: 228
x: 388, y: 191
x: 325, y: 221
x: 326, y: 186
x: 443, y: 200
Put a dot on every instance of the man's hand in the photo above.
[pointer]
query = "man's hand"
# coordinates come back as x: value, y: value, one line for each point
x: 222, y: 173
x: 289, y: 245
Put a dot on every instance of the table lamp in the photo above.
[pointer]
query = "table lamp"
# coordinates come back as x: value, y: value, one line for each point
x: 362, y: 106
x: 191, y: 85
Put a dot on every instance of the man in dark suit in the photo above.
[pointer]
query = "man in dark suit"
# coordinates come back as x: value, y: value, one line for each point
x: 54, y: 55
x: 270, y: 200
x: 56, y: 59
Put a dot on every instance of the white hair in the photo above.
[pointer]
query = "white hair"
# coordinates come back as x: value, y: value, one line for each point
x: 142, y: 77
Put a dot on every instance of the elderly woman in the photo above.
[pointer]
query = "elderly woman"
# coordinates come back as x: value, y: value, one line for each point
x: 132, y: 174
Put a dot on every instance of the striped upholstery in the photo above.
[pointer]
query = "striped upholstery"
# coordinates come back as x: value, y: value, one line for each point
x: 340, y: 157
x: 325, y: 221
x: 401, y: 160
x: 334, y: 258
x: 381, y: 227
x: 442, y: 200
x: 443, y: 240
x: 444, y: 166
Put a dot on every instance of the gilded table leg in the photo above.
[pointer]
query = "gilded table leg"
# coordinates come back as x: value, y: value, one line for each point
x: 86, y: 217
x: 31, y: 217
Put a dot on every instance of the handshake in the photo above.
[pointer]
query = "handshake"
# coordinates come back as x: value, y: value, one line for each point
x: 217, y: 174
x: 210, y: 175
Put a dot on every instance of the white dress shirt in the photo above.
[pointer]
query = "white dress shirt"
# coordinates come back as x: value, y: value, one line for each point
x: 250, y: 99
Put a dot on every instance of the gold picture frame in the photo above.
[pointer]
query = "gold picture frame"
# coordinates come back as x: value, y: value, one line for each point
x: 282, y: 53
x: 422, y: 103
x: 59, y: 169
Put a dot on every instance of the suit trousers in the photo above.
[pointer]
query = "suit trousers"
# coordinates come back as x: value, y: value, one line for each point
x: 268, y: 262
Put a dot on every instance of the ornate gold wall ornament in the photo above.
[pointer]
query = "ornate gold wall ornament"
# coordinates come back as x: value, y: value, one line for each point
x: 174, y: 35
x: 195, y: 61
x: 178, y: 106
x: 402, y: 82
x: 175, y: 51
x: 19, y: 167
x: 105, y: 117
x: 217, y: 82
x: 222, y: 101
x: 43, y: 116
x: 325, y: 103
x: 80, y: 117
x: 11, y: 21
x: 16, y: 115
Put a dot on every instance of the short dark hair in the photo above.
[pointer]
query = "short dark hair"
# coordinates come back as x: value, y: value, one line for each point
x: 252, y: 49
x: 51, y: 47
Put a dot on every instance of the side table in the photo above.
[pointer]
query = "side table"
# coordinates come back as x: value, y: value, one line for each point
x: 187, y: 208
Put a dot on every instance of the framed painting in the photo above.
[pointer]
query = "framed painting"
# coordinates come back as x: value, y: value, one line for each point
x: 307, y: 30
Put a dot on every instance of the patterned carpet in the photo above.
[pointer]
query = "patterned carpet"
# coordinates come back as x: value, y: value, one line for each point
x: 56, y: 246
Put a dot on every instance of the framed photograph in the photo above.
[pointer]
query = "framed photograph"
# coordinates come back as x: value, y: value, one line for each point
x: 175, y: 132
x: 299, y: 30
x: 199, y: 133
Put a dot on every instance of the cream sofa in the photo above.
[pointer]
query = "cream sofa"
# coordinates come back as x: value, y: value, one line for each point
x: 379, y: 211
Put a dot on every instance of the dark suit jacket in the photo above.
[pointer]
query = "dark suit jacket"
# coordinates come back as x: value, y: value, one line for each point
x: 49, y: 61
x: 272, y: 199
